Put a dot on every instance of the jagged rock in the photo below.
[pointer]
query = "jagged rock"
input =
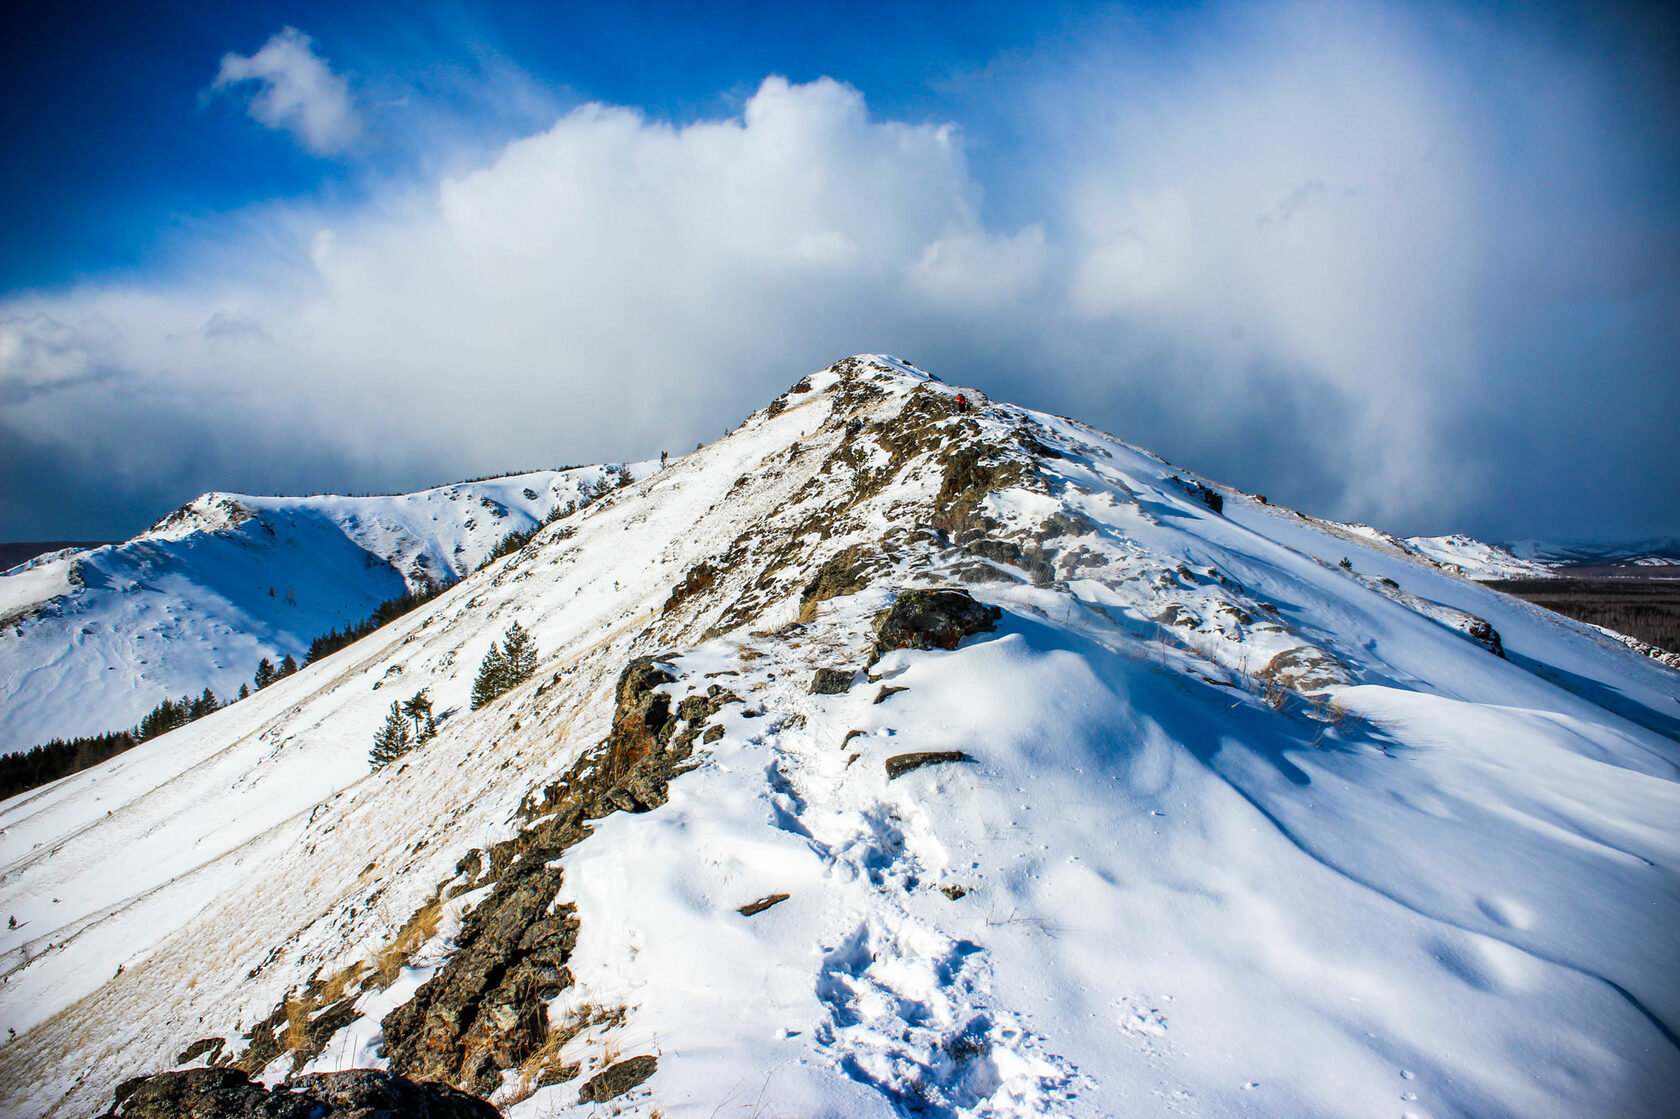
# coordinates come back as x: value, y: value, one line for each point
x: 700, y: 578
x: 618, y: 1079
x: 833, y: 681
x: 641, y: 714
x: 1481, y: 632
x: 932, y: 620
x: 900, y: 764
x: 353, y: 1094
x: 208, y: 1047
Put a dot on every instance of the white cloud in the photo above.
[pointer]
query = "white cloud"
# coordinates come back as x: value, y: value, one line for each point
x: 607, y: 287
x: 298, y: 92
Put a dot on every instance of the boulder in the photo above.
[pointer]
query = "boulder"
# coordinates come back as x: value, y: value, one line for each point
x: 833, y: 681
x: 932, y: 620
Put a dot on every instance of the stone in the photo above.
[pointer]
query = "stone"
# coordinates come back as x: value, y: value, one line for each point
x: 615, y: 1080
x: 833, y: 681
x: 900, y: 764
x: 754, y: 908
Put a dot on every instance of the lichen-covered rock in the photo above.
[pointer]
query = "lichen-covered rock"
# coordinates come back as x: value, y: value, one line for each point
x: 227, y: 1093
x: 642, y: 712
x: 932, y: 620
x: 615, y: 1080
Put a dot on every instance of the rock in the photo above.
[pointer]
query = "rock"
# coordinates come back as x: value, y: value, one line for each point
x: 833, y: 681
x: 887, y: 691
x: 932, y: 620
x: 615, y: 1080
x: 900, y: 764
x: 842, y: 574
x: 641, y: 713
x: 354, y: 1094
x: 754, y: 908
x: 1305, y: 669
x: 1480, y: 631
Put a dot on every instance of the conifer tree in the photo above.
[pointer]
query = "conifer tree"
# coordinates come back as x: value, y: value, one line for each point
x: 393, y: 739
x: 244, y: 691
x: 519, y: 656
x: 265, y: 674
x: 287, y: 666
x: 491, y: 672
x: 419, y: 710
x: 505, y: 666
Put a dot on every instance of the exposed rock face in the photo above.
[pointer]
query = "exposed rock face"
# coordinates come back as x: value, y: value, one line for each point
x: 932, y: 620
x: 1481, y: 632
x: 614, y: 1081
x: 355, y: 1094
x: 485, y: 1010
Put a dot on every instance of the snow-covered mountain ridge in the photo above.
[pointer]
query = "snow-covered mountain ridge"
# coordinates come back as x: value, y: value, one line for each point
x: 91, y: 640
x: 1243, y: 830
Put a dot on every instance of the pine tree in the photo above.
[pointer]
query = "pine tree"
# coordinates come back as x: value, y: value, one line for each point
x: 393, y: 739
x: 519, y: 656
x: 419, y: 709
x: 287, y: 666
x: 505, y: 666
x: 265, y: 674
x: 244, y: 691
x: 491, y: 672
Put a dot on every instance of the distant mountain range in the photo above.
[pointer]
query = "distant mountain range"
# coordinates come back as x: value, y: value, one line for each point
x: 92, y: 639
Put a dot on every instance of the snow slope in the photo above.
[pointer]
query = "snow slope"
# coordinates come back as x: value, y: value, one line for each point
x: 92, y: 640
x: 1478, y: 560
x: 1244, y: 832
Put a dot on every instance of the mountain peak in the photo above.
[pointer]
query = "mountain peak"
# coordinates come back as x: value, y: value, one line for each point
x: 1169, y: 795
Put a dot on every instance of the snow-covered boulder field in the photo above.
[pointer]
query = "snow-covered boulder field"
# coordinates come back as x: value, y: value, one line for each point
x: 1148, y: 806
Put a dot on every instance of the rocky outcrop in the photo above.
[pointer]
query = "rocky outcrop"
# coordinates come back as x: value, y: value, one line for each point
x: 485, y: 1011
x: 932, y: 620
x: 225, y: 1093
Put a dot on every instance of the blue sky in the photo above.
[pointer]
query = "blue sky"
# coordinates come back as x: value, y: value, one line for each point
x: 1405, y: 263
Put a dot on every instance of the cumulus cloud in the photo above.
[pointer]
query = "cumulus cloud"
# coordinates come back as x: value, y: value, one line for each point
x: 296, y: 92
x: 1418, y: 273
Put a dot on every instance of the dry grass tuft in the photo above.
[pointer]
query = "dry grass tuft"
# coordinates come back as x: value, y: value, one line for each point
x: 421, y: 927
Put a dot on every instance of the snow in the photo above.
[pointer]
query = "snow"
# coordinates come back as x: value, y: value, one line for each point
x: 200, y: 598
x: 1478, y: 560
x: 1433, y: 882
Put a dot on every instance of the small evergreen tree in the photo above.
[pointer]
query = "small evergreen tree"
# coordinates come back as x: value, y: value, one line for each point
x: 505, y: 666
x: 265, y: 674
x: 287, y: 666
x: 393, y: 739
x: 519, y: 656
x: 419, y: 709
x: 244, y: 691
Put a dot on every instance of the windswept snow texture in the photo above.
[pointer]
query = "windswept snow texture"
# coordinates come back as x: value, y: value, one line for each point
x: 1246, y: 832
x: 1478, y: 560
x: 92, y: 640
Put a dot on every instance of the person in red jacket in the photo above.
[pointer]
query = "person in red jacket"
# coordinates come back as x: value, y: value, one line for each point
x: 962, y: 402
